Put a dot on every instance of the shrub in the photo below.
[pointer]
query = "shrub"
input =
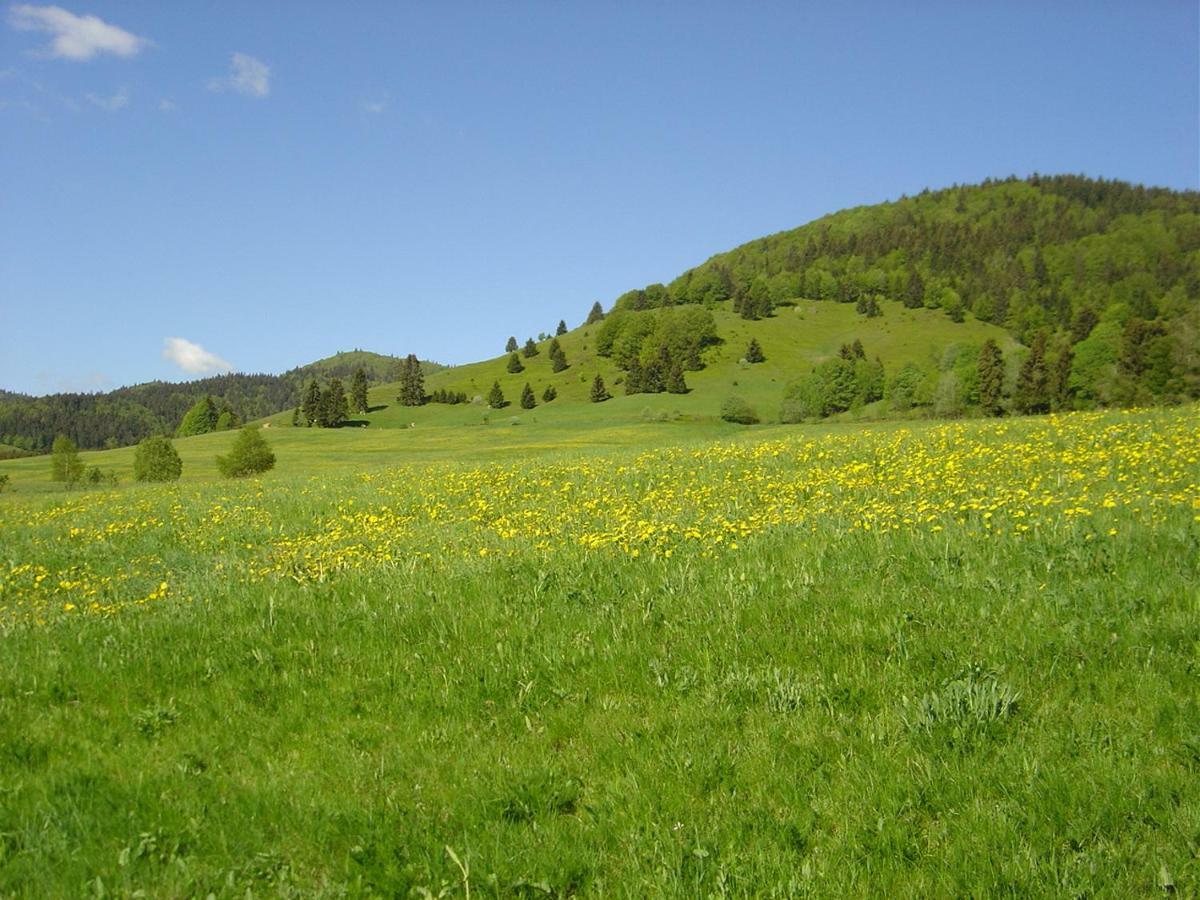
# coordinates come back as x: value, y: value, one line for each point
x: 3, y: 483
x: 735, y: 409
x: 249, y: 455
x: 156, y: 459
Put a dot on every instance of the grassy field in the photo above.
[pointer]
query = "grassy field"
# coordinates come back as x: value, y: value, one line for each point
x: 927, y: 660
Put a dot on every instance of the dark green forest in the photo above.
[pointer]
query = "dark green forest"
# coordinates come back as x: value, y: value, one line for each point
x: 128, y: 414
x: 1100, y: 277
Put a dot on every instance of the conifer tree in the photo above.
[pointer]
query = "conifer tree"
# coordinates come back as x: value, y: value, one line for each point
x: 1032, y: 392
x: 562, y: 328
x: 412, y: 383
x: 531, y: 349
x: 334, y: 406
x: 515, y: 365
x: 296, y: 417
x: 358, y: 392
x: 511, y: 346
x: 495, y: 397
x: 549, y: 394
x: 595, y: 314
x: 599, y: 392
x: 310, y: 406
x: 558, y: 358
x: 528, y: 401
x: 857, y: 349
x: 991, y: 378
x: 1060, y: 379
x: 914, y: 294
x: 754, y: 353
x: 675, y: 380
x: 635, y: 379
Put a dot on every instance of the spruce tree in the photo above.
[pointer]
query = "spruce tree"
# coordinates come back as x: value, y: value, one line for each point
x: 675, y: 380
x: 991, y: 378
x: 1060, y: 379
x: 549, y: 394
x: 595, y: 314
x: 531, y: 349
x: 914, y: 294
x: 1032, y: 392
x: 358, y: 392
x: 412, y: 383
x: 495, y: 397
x: 515, y: 365
x: 296, y: 417
x: 310, y: 406
x: 754, y: 353
x: 334, y: 405
x: 558, y: 358
x: 511, y: 346
x: 528, y: 401
x: 634, y: 379
x: 562, y: 328
x: 599, y: 392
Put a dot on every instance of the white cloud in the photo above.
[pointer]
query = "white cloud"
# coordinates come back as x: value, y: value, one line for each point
x: 247, y: 75
x: 75, y: 37
x: 374, y: 107
x: 193, y: 358
x: 166, y: 105
x: 117, y: 101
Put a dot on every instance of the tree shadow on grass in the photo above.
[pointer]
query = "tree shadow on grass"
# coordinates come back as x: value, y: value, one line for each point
x: 380, y: 408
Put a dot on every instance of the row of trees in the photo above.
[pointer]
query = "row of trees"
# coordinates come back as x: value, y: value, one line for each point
x: 558, y: 357
x: 496, y: 399
x: 329, y: 406
x: 206, y: 416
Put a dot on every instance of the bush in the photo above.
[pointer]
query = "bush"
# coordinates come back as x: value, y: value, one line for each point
x: 3, y: 483
x: 735, y: 409
x: 249, y: 455
x: 156, y: 459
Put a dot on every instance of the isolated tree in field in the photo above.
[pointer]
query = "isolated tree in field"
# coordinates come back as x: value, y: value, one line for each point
x: 676, y: 384
x: 65, y: 464
x: 528, y: 401
x: 249, y: 455
x: 200, y: 419
x: 334, y: 405
x: 531, y: 349
x: 511, y: 346
x: 754, y: 353
x: 412, y: 383
x: 1032, y: 391
x: 562, y: 328
x: 358, y: 392
x: 156, y: 459
x: 310, y: 406
x: 735, y: 409
x: 595, y: 314
x: 599, y: 392
x: 296, y: 417
x: 549, y: 393
x: 514, y: 364
x: 495, y: 397
x: 991, y: 378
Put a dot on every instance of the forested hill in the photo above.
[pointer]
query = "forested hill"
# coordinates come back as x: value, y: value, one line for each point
x: 128, y: 414
x: 1058, y: 260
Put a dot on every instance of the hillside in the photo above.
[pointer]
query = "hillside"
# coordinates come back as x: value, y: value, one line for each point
x: 126, y: 415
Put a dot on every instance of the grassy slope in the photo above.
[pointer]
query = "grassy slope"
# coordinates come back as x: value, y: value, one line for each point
x: 585, y: 722
x: 794, y: 340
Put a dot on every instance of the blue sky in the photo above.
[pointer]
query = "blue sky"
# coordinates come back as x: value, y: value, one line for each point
x: 272, y: 182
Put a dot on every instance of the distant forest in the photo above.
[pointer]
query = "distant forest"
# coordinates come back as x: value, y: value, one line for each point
x: 1103, y: 276
x: 127, y: 415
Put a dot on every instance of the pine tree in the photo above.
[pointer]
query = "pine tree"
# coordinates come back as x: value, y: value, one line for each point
x: 599, y: 392
x: 515, y: 365
x: 528, y: 401
x: 558, y: 358
x: 634, y: 379
x: 412, y: 383
x: 914, y: 295
x: 296, y: 417
x: 676, y: 384
x: 1060, y: 379
x: 310, y: 406
x: 531, y: 349
x: 596, y: 314
x: 358, y: 392
x: 511, y: 346
x: 1032, y: 392
x: 754, y: 353
x: 495, y: 397
x: 334, y: 406
x: 857, y: 349
x: 991, y: 378
x: 549, y: 394
x: 562, y: 328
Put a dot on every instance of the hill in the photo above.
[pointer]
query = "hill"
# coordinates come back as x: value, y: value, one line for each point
x: 128, y: 414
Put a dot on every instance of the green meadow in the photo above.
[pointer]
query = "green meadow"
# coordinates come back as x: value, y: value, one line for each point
x: 627, y: 657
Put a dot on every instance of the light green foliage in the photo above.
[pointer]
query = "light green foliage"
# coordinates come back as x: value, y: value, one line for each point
x: 156, y: 459
x: 736, y: 409
x: 65, y: 464
x: 249, y: 455
x: 200, y: 419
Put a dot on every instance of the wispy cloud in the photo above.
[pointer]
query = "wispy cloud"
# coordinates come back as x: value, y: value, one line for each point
x: 247, y: 75
x: 117, y: 101
x: 193, y: 358
x: 165, y: 105
x: 75, y: 37
x: 373, y: 107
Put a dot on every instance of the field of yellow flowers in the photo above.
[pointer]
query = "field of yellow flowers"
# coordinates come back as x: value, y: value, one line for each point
x: 934, y: 659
